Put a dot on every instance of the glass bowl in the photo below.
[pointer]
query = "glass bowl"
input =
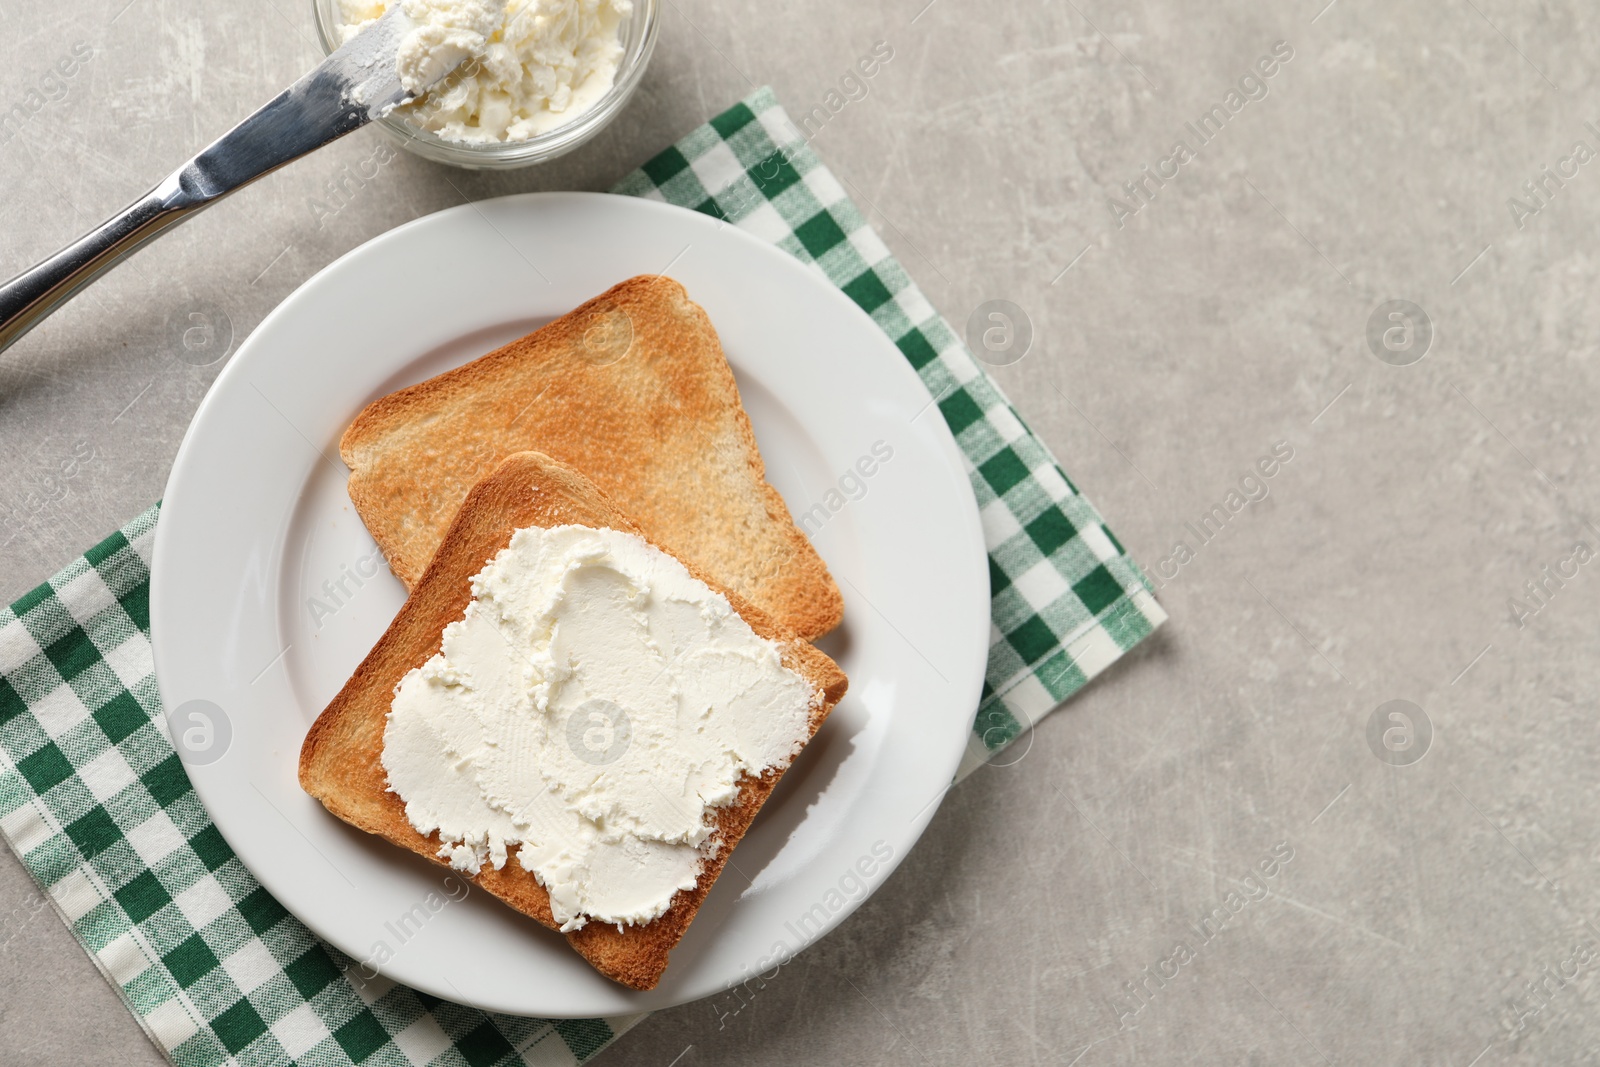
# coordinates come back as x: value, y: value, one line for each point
x: 638, y: 41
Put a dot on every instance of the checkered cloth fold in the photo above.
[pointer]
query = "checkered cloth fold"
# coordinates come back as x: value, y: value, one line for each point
x: 1067, y: 601
x: 96, y: 803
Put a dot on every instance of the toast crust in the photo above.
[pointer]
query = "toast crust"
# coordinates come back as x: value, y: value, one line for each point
x: 340, y: 761
x: 633, y: 390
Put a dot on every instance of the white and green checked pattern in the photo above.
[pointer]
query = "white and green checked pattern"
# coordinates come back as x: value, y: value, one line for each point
x: 96, y: 803
x: 1066, y: 599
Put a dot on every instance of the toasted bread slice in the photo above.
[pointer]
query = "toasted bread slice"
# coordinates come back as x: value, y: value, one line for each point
x: 340, y: 762
x: 633, y: 391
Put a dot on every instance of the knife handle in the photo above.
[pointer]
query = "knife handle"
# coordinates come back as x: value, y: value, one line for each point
x: 28, y: 298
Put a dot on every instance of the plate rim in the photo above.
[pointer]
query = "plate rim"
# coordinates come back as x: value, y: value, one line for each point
x: 241, y: 358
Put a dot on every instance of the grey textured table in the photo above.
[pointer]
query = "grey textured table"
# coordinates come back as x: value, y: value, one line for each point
x: 1182, y: 331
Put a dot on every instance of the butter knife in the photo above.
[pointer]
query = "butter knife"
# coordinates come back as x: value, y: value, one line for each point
x: 356, y: 84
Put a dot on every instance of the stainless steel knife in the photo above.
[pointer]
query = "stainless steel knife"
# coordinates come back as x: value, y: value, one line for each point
x: 355, y: 85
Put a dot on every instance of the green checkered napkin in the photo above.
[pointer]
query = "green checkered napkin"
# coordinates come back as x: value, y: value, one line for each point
x: 96, y: 803
x: 1067, y: 600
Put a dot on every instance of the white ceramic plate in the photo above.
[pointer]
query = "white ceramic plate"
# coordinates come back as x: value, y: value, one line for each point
x: 266, y: 589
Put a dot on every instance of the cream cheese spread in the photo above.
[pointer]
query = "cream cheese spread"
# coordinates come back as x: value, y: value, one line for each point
x: 447, y: 32
x: 540, y: 63
x: 591, y: 710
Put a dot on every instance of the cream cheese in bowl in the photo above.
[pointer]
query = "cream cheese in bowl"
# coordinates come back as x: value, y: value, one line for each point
x: 535, y: 77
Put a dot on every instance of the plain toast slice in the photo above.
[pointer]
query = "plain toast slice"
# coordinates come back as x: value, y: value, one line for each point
x: 340, y: 761
x: 631, y: 389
